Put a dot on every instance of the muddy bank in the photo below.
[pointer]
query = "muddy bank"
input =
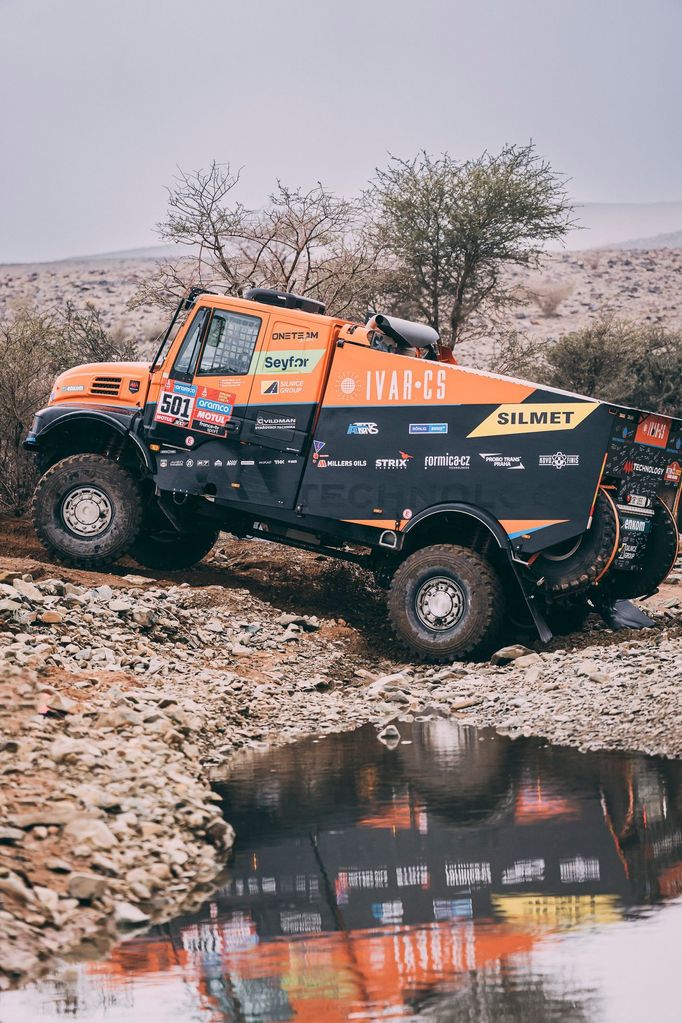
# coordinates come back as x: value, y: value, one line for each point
x: 122, y: 693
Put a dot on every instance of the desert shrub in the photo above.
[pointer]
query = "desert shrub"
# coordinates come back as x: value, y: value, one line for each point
x: 633, y: 364
x: 34, y: 347
x: 548, y: 295
x: 592, y: 258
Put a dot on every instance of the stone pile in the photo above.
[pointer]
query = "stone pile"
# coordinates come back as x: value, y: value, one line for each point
x: 117, y: 701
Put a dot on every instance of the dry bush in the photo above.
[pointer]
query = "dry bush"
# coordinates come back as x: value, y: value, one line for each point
x: 34, y: 348
x: 592, y: 259
x: 628, y: 363
x: 548, y: 295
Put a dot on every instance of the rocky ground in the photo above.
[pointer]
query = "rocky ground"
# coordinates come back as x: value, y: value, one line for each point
x: 124, y: 693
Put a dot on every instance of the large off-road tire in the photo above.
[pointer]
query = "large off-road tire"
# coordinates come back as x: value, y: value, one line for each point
x: 659, y: 558
x: 168, y: 550
x: 87, y: 511
x: 574, y: 565
x: 446, y: 603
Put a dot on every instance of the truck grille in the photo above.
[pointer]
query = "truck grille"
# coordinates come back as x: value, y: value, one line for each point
x: 108, y: 386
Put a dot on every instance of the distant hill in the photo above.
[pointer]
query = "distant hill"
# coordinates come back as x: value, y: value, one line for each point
x: 671, y: 240
x: 611, y: 225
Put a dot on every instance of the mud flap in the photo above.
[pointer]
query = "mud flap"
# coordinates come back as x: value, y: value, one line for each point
x: 543, y: 629
x: 623, y: 614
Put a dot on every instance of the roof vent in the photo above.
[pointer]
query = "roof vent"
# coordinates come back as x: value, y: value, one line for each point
x: 284, y: 299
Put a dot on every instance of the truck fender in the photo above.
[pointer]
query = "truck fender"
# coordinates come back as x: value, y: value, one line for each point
x: 49, y: 419
x: 503, y: 542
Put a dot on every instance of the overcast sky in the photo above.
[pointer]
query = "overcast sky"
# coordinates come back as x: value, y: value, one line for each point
x: 103, y: 99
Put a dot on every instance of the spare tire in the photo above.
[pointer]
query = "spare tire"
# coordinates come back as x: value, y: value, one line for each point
x: 578, y: 563
x: 659, y: 557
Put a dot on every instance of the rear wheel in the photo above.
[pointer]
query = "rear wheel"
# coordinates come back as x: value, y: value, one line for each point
x: 659, y: 558
x: 168, y: 549
x: 445, y: 603
x: 574, y: 565
x: 87, y: 510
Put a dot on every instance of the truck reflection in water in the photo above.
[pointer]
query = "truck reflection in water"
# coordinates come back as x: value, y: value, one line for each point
x: 369, y: 882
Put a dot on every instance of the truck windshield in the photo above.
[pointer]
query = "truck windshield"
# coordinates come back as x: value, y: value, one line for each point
x: 170, y: 335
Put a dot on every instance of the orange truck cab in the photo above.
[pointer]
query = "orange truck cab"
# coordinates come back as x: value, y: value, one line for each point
x: 467, y: 493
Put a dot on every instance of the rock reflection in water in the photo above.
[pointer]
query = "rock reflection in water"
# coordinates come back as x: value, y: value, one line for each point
x: 418, y: 882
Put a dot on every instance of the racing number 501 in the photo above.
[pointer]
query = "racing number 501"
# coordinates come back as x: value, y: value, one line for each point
x: 175, y: 405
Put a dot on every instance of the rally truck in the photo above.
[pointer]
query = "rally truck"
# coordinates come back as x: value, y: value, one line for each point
x: 475, y: 499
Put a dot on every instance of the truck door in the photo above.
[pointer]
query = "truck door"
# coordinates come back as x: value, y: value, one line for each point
x: 206, y: 392
x: 240, y: 399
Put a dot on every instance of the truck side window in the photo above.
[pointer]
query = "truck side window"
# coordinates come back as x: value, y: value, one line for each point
x: 189, y: 350
x: 229, y: 344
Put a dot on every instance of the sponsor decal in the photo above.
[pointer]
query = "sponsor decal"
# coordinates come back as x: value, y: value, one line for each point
x: 363, y: 429
x: 649, y: 470
x: 274, y: 422
x: 635, y: 525
x: 501, y: 461
x: 325, y: 462
x: 407, y: 513
x: 394, y: 463
x: 133, y: 386
x: 174, y: 409
x: 534, y: 417
x: 284, y: 386
x: 180, y: 388
x: 319, y: 444
x: 627, y: 552
x: 163, y: 463
x: 295, y: 335
x: 417, y: 428
x: 218, y: 462
x: 203, y: 416
x: 403, y: 385
x: 638, y: 500
x: 288, y: 361
x: 189, y: 463
x: 654, y: 431
x: 214, y: 406
x: 203, y: 461
x: 177, y: 461
x: 558, y: 460
x: 247, y: 461
x: 72, y: 388
x: 189, y: 441
x: 447, y: 461
x: 348, y: 386
x: 673, y: 473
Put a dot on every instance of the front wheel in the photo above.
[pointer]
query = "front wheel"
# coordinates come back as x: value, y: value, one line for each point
x: 166, y: 549
x: 446, y: 603
x: 87, y: 510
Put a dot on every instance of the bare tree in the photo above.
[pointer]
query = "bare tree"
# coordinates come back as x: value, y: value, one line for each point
x: 452, y: 228
x: 310, y: 242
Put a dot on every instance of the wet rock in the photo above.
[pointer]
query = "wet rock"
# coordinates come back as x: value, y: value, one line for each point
x: 126, y: 915
x: 17, y: 961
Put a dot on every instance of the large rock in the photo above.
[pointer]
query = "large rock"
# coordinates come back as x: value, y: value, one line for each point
x: 29, y: 591
x: 90, y: 831
x: 85, y: 887
x: 126, y: 915
x: 510, y: 653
